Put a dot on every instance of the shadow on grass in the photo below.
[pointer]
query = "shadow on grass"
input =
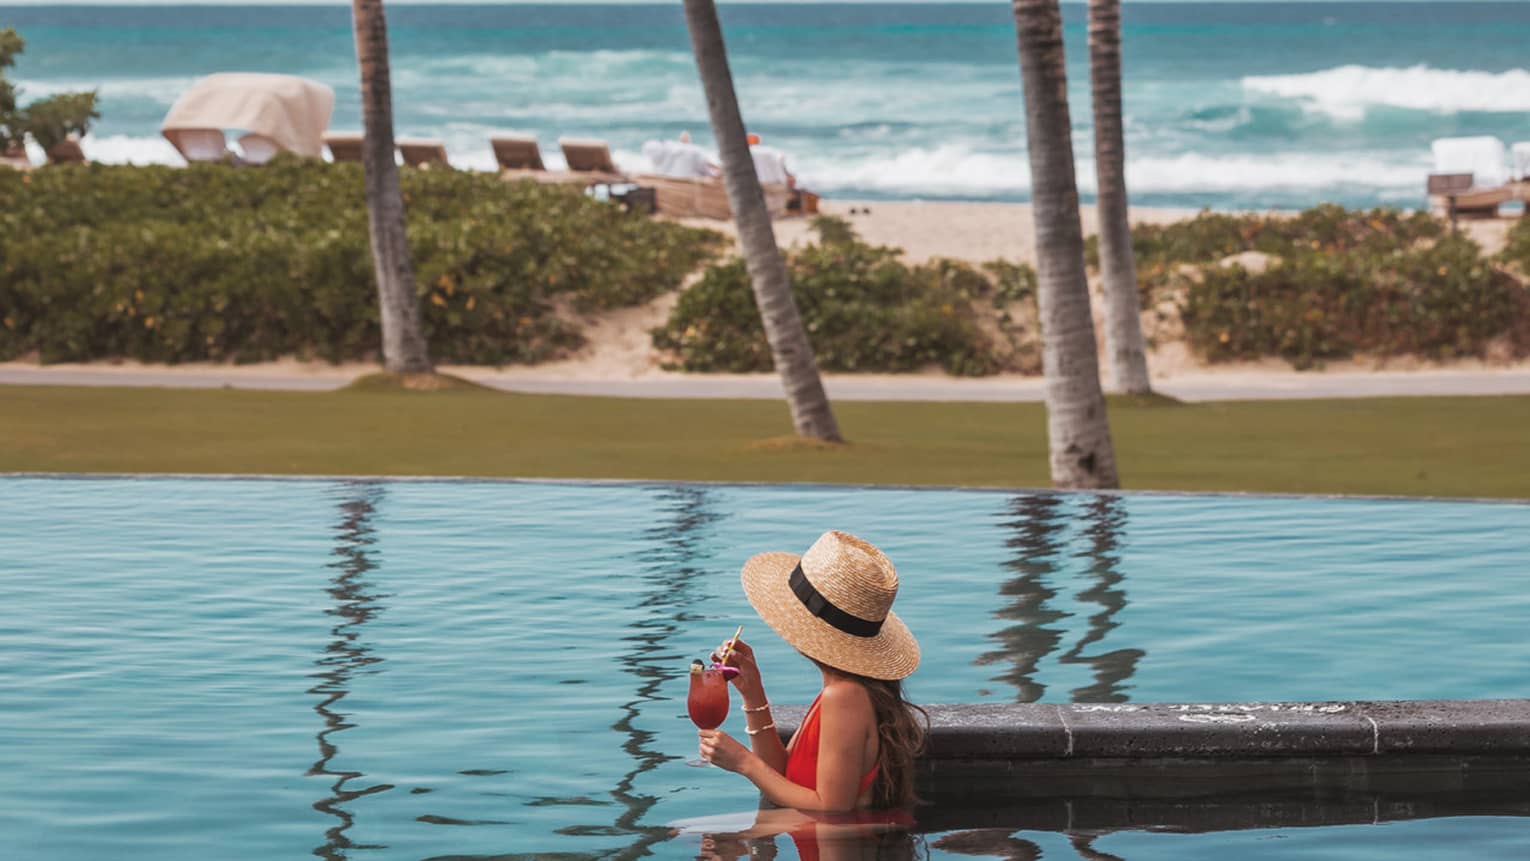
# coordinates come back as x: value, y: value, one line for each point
x: 385, y: 381
x: 794, y: 444
x: 1151, y: 400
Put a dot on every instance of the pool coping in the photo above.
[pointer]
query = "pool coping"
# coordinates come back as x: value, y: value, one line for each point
x: 1016, y: 732
x: 660, y: 482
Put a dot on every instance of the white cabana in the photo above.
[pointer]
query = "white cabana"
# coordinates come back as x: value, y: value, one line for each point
x: 1521, y: 155
x: 276, y: 113
x: 1470, y: 177
x: 1483, y: 157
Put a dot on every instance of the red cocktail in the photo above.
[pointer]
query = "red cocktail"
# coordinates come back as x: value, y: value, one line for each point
x: 708, y: 700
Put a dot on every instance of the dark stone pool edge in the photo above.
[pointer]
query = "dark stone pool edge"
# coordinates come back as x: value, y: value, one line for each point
x: 1196, y: 767
x: 995, y: 732
x: 659, y: 482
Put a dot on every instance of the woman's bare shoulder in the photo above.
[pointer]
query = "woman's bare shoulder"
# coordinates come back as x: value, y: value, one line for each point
x: 847, y: 698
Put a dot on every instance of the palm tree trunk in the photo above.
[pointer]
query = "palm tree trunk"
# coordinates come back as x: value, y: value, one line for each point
x: 789, y: 347
x: 403, y: 338
x: 1077, y: 430
x: 1123, y: 308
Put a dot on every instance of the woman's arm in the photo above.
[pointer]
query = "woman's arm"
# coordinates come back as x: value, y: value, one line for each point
x: 845, y: 714
x: 763, y: 739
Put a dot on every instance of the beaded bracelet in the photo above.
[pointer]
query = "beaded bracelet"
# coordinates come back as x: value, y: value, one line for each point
x: 753, y: 711
x: 771, y: 725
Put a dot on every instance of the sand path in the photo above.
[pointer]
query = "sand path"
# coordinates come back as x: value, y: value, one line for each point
x: 1226, y: 384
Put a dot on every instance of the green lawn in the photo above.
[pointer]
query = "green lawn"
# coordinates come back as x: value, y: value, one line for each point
x: 1435, y: 446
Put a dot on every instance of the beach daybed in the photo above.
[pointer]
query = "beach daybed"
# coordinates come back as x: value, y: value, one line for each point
x: 1470, y: 176
x: 423, y: 152
x: 692, y: 197
x: 257, y: 149
x: 343, y: 146
x: 287, y: 113
x: 202, y: 145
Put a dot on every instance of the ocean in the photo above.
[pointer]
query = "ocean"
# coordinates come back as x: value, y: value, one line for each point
x: 1228, y: 106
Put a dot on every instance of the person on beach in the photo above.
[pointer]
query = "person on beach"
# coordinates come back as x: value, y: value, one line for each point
x: 856, y: 746
x: 680, y: 158
x: 770, y: 167
x: 770, y: 164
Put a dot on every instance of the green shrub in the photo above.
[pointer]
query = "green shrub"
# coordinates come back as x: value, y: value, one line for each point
x: 1438, y: 301
x: 1211, y: 236
x: 864, y: 310
x: 218, y: 263
x: 1516, y: 251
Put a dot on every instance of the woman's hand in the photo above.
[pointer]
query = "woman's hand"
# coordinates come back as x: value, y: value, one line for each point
x: 720, y: 749
x: 748, y: 679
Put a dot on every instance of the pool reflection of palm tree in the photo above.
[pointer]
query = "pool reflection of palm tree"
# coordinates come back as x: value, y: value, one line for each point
x: 669, y: 570
x: 344, y: 656
x: 1036, y: 523
x: 1106, y: 522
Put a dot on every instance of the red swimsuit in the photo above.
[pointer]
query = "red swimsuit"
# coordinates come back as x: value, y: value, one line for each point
x: 802, y: 769
x: 802, y: 761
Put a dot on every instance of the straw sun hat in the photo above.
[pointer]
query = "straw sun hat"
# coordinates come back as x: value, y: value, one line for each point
x: 834, y: 604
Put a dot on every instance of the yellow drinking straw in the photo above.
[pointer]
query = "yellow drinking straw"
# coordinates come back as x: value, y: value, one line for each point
x: 731, y: 643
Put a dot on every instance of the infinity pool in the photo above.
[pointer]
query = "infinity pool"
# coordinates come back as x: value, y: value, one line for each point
x: 253, y: 669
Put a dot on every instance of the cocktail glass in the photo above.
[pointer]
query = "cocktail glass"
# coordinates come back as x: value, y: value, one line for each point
x: 707, y: 702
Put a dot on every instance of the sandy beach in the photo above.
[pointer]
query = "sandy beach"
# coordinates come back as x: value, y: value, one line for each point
x: 974, y: 231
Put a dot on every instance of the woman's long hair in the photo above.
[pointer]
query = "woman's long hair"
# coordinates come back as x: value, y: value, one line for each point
x: 901, y: 729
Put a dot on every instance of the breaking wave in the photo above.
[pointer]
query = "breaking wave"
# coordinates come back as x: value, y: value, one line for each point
x: 956, y: 170
x: 1347, y: 92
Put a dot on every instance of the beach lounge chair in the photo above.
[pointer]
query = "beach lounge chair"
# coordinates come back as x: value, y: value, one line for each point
x: 590, y: 160
x: 257, y: 149
x: 1470, y: 176
x: 518, y: 155
x: 423, y: 152
x: 343, y: 146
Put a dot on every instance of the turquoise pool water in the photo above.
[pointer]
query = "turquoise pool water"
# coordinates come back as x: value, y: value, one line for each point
x: 400, y: 670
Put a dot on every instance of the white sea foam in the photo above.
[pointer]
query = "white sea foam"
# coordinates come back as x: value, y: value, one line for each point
x: 124, y: 149
x: 1347, y: 91
x: 958, y: 170
x: 164, y: 90
x: 1193, y: 172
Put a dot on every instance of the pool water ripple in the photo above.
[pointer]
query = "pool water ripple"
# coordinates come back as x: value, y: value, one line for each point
x: 278, y: 669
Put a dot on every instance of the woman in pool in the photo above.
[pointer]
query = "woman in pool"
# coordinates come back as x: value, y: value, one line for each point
x: 855, y: 748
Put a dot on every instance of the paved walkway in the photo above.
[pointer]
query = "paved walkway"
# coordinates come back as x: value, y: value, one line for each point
x: 1232, y: 386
